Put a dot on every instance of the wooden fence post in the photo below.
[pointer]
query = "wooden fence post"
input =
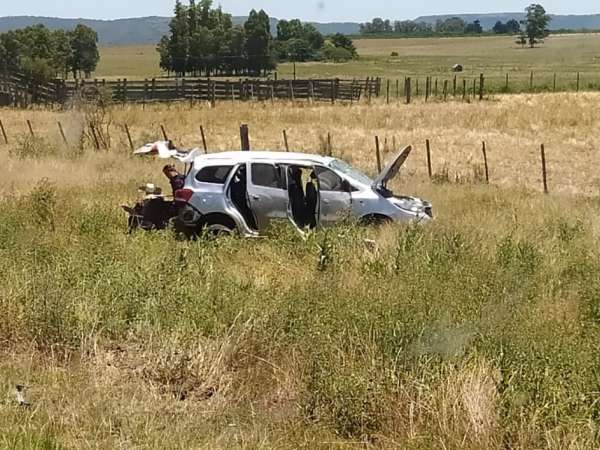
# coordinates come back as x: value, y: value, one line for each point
x: 577, y: 81
x: 428, y: 148
x: 454, y: 86
x: 485, y: 163
x: 3, y: 132
x: 408, y: 90
x: 164, y: 133
x: 285, y: 141
x: 481, y: 83
x: 464, y: 93
x: 445, y: 89
x: 245, y: 137
x: 332, y: 92
x: 128, y: 136
x: 531, y: 81
x: 377, y: 154
x: 417, y: 87
x: 62, y: 133
x: 30, y: 128
x: 506, y: 84
x: 544, y: 173
x: 387, y: 95
x: 203, y: 139
x: 397, y: 88
x: 427, y: 87
x: 554, y: 83
x: 329, y: 145
x: 95, y: 136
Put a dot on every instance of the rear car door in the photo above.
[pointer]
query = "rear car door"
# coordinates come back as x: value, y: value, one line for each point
x: 266, y: 193
x: 334, y: 200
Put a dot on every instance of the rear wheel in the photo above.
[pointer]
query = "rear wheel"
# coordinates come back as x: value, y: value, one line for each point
x: 218, y: 225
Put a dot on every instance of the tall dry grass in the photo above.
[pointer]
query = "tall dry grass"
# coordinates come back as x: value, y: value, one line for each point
x: 478, y: 331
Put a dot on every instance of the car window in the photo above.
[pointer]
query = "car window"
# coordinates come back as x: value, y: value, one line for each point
x: 266, y: 175
x: 329, y: 180
x: 213, y: 174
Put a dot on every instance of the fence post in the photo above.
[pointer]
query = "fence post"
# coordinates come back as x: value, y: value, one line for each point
x: 428, y: 148
x: 124, y: 91
x: 329, y: 145
x: 436, y: 87
x: 30, y: 128
x: 445, y: 89
x: 481, y: 83
x: 454, y: 86
x: 544, y: 173
x: 397, y: 88
x: 377, y: 154
x: 408, y: 90
x: 485, y: 162
x: 427, y: 83
x: 577, y: 81
x: 285, y: 141
x: 506, y: 85
x: 62, y: 133
x: 3, y: 132
x: 164, y: 133
x: 554, y: 83
x: 387, y: 95
x: 203, y: 139
x: 464, y: 93
x: 332, y: 92
x: 129, y: 136
x: 531, y: 81
x: 244, y: 137
x: 417, y: 88
x: 95, y: 136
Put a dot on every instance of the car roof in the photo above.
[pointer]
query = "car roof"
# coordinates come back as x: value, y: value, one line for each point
x: 236, y: 157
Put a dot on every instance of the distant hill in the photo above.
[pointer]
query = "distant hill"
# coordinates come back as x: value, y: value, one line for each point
x: 590, y: 22
x: 149, y: 30
x: 140, y: 30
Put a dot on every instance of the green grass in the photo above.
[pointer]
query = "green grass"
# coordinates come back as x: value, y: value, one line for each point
x: 478, y: 331
x: 494, y: 56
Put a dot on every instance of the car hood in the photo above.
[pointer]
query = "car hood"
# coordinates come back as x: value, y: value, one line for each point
x: 391, y: 170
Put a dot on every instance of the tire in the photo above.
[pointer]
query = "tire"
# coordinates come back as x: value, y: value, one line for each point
x: 376, y: 220
x: 218, y: 225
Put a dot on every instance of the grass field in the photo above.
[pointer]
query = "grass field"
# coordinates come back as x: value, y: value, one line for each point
x: 478, y: 331
x: 564, y: 55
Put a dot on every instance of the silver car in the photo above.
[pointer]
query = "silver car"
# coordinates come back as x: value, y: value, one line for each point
x: 247, y: 191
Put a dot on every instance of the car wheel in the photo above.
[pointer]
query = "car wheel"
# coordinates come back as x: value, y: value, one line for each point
x: 218, y: 226
x: 375, y: 220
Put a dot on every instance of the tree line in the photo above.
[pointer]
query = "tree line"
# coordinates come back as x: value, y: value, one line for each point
x: 450, y: 26
x: 42, y: 54
x: 531, y: 30
x: 203, y: 41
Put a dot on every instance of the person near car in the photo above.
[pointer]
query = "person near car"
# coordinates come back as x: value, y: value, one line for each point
x: 312, y: 199
x: 176, y: 179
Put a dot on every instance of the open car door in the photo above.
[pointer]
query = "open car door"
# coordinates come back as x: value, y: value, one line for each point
x: 335, y: 197
x: 267, y: 193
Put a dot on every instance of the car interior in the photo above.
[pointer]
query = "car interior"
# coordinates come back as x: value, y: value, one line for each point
x: 239, y: 196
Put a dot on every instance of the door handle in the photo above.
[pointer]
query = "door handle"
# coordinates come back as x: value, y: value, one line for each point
x: 255, y: 197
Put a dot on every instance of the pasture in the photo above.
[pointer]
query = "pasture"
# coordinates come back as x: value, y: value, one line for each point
x: 478, y: 331
x: 494, y: 56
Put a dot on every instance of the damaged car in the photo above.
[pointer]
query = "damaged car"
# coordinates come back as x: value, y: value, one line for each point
x: 245, y: 192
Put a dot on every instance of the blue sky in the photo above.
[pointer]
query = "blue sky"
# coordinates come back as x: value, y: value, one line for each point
x: 315, y: 10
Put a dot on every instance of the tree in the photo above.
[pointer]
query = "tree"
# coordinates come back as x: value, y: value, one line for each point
x: 84, y: 50
x: 513, y: 26
x: 258, y: 42
x: 336, y: 54
x: 500, y: 28
x: 340, y: 40
x: 536, y: 23
x: 453, y: 25
x: 474, y: 28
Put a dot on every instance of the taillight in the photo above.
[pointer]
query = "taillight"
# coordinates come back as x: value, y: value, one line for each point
x: 183, y: 195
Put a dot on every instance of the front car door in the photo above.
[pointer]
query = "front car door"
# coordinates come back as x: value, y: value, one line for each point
x: 267, y: 193
x: 334, y: 201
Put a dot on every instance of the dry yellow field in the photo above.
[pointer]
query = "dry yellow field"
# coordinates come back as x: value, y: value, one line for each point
x: 512, y: 126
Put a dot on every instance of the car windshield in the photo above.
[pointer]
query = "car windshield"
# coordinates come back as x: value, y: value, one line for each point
x: 347, y: 169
